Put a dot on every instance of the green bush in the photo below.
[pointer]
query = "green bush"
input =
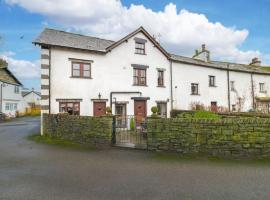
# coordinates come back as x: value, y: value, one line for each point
x: 132, y: 124
x: 206, y: 115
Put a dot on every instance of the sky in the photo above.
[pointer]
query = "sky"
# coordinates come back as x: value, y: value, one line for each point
x: 233, y: 30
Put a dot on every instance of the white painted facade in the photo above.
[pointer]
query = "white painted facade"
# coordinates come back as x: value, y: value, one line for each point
x: 113, y: 72
x: 12, y: 100
x: 32, y: 98
x: 110, y: 73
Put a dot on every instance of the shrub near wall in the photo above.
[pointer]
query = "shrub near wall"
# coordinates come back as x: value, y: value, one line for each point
x: 241, y: 137
x: 95, y: 131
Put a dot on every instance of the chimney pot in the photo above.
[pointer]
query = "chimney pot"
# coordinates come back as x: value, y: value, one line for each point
x: 203, y: 47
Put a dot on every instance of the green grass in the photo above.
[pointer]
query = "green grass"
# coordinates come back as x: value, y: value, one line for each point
x: 59, y: 142
x: 266, y: 68
x: 203, y: 159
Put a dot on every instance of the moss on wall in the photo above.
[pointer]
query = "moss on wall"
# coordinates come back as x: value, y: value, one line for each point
x: 82, y: 129
x: 234, y: 138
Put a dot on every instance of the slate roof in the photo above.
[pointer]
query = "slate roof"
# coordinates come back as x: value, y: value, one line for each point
x: 221, y: 65
x: 52, y: 37
x: 7, y: 77
x: 65, y: 39
x: 25, y: 93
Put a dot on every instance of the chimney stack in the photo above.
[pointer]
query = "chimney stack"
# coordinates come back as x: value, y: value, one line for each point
x: 202, y: 54
x: 255, y: 62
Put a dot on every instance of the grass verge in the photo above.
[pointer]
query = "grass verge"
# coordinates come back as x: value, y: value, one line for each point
x: 59, y: 142
x: 203, y: 159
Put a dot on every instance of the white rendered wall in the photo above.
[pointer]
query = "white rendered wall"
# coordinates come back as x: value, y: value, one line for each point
x: 110, y: 73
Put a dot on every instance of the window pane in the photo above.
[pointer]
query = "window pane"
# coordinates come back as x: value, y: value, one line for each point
x: 86, y: 73
x: 76, y: 73
x: 86, y: 67
x: 76, y: 66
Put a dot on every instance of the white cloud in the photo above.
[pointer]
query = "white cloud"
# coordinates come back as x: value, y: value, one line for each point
x: 21, y: 68
x: 181, y: 32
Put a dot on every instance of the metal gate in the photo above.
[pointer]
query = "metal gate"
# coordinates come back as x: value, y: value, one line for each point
x: 130, y: 131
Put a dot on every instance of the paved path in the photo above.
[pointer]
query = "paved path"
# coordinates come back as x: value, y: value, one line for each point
x: 30, y: 171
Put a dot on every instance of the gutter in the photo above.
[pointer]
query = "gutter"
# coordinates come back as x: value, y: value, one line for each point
x: 112, y: 93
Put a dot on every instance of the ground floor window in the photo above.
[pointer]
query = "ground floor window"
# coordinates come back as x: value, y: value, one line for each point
x: 11, y: 106
x: 162, y: 109
x: 73, y: 108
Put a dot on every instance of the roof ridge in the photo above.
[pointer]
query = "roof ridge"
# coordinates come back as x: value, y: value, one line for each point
x: 72, y: 33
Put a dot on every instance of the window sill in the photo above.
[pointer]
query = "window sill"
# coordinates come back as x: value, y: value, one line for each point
x: 263, y: 92
x: 195, y: 94
x: 143, y: 54
x: 161, y: 86
x: 81, y: 77
x: 213, y: 86
x: 140, y: 85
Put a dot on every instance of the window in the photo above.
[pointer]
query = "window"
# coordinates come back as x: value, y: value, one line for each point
x: 262, y: 87
x: 82, y: 70
x: 233, y: 107
x: 139, y: 48
x: 212, y: 81
x: 162, y: 109
x: 160, y: 78
x: 72, y: 108
x: 232, y: 85
x: 16, y: 89
x: 194, y: 88
x: 7, y: 107
x: 11, y: 106
x: 139, y: 76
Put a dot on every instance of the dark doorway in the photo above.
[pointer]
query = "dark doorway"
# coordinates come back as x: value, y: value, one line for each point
x: 214, y: 106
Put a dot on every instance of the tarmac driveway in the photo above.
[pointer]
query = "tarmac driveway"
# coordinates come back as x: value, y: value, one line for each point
x: 30, y: 171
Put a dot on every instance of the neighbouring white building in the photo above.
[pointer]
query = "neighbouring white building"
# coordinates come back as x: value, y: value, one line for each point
x: 84, y: 75
x: 11, y: 100
x: 32, y: 98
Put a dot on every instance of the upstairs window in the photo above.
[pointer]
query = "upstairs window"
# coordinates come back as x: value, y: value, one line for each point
x: 160, y: 78
x: 194, y: 88
x: 81, y: 70
x: 139, y: 48
x: 139, y: 77
x: 212, y: 81
x: 16, y: 89
x: 262, y: 87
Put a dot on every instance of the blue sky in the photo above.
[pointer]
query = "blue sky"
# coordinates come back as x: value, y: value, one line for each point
x: 21, y: 22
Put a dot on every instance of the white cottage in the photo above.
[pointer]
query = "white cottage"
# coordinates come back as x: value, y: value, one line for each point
x: 10, y: 97
x: 83, y: 75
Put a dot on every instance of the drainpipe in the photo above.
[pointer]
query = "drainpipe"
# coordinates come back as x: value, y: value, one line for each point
x: 228, y: 84
x: 1, y: 97
x: 49, y: 80
x: 171, y: 84
x: 252, y: 91
x: 112, y: 93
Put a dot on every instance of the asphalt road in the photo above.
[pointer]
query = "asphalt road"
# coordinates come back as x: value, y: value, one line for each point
x: 31, y: 171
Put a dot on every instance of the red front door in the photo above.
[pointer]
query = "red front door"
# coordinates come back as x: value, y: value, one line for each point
x: 214, y: 106
x: 99, y: 108
x: 140, y: 111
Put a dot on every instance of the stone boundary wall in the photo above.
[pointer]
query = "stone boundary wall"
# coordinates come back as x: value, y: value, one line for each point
x: 96, y: 131
x: 233, y: 138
